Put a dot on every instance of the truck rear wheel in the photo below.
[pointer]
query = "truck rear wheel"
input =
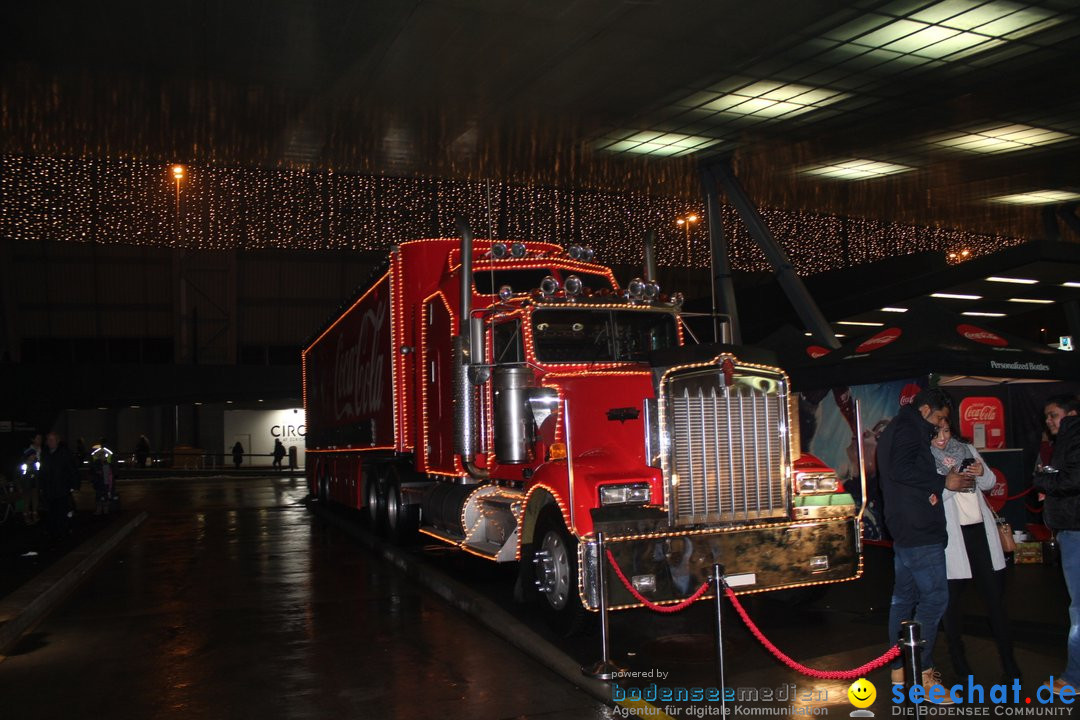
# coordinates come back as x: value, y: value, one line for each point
x: 322, y: 486
x: 402, y: 520
x: 555, y: 574
x: 374, y: 499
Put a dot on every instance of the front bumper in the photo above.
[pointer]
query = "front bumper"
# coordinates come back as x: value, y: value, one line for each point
x: 753, y: 558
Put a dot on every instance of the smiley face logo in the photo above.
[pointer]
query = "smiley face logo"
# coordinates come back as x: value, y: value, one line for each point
x: 862, y: 693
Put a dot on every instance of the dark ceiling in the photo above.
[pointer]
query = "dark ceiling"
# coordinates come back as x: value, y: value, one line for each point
x: 570, y: 92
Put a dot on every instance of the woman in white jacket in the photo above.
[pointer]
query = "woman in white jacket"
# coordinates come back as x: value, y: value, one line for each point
x: 973, y: 551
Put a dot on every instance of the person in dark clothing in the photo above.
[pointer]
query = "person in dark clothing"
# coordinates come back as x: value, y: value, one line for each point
x: 58, y: 479
x: 279, y: 453
x: 237, y: 454
x: 142, y: 451
x: 29, y: 470
x: 915, y: 516
x: 1060, y: 480
x: 102, y: 476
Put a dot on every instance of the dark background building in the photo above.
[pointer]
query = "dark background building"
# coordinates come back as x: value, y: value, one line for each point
x: 313, y: 136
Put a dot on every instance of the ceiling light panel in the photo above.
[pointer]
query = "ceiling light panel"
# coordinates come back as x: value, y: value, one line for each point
x: 944, y: 31
x: 955, y: 296
x: 1013, y: 280
x: 1038, y: 197
x: 655, y: 143
x: 762, y: 99
x: 1032, y: 301
x: 1000, y: 138
x: 856, y: 169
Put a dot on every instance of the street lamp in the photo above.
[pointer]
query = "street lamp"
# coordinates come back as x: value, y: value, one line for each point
x: 685, y: 223
x: 178, y: 175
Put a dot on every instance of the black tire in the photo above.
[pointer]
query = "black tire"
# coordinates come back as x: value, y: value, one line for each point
x: 402, y: 521
x: 323, y: 486
x: 374, y: 499
x: 554, y: 571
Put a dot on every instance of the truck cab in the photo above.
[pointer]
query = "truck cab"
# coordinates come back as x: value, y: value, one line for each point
x: 536, y: 403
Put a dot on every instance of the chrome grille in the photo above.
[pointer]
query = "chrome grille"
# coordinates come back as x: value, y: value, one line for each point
x: 727, y: 446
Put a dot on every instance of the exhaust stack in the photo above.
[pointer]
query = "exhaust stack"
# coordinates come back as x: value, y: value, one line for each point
x: 650, y: 256
x: 468, y: 349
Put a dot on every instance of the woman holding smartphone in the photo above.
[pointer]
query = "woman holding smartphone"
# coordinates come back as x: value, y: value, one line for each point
x: 973, y: 551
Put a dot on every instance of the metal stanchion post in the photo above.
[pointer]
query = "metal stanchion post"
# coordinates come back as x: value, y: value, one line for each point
x: 910, y: 649
x: 604, y: 669
x: 718, y: 590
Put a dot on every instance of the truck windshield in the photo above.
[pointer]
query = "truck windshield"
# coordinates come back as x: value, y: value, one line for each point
x: 522, y: 280
x: 584, y: 335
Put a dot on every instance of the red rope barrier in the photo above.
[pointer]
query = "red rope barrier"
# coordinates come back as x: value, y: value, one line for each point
x: 650, y: 604
x: 860, y: 671
x: 1020, y: 494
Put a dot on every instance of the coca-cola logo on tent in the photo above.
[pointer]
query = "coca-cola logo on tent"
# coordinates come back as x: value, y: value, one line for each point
x: 879, y: 340
x: 981, y: 335
x: 982, y: 419
x: 979, y: 411
x: 999, y: 492
x: 908, y: 393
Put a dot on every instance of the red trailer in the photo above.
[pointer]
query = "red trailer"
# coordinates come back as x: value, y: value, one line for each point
x: 516, y: 404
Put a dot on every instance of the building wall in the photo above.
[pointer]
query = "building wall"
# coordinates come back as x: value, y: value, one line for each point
x: 80, y: 303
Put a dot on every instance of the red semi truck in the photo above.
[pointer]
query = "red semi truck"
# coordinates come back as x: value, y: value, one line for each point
x: 512, y: 399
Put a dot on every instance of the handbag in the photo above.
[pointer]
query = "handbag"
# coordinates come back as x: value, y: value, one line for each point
x: 1005, y: 532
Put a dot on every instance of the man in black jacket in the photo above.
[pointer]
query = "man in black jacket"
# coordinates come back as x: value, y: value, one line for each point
x: 1061, y: 482
x: 57, y: 480
x: 914, y: 514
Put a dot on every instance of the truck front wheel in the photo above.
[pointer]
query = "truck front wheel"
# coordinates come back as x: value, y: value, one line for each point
x: 555, y: 572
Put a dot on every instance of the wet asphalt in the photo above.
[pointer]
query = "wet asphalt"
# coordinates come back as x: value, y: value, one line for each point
x: 234, y: 600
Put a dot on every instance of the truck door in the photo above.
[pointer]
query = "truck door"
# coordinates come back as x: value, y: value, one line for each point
x: 437, y: 387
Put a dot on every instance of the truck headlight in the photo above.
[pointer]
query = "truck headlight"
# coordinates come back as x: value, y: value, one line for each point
x: 813, y: 483
x: 635, y: 493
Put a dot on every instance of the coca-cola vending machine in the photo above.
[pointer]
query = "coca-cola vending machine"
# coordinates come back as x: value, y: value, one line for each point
x: 982, y: 419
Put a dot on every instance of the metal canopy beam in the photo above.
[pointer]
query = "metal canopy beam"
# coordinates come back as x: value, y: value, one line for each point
x: 789, y: 280
x: 723, y: 288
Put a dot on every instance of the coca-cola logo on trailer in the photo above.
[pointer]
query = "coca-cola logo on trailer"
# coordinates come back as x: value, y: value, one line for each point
x: 358, y: 367
x: 980, y: 335
x: 879, y: 340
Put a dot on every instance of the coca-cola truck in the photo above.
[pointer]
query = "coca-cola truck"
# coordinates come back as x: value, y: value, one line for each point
x: 513, y: 400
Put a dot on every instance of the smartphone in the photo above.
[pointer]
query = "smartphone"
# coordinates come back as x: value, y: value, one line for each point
x: 965, y: 464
